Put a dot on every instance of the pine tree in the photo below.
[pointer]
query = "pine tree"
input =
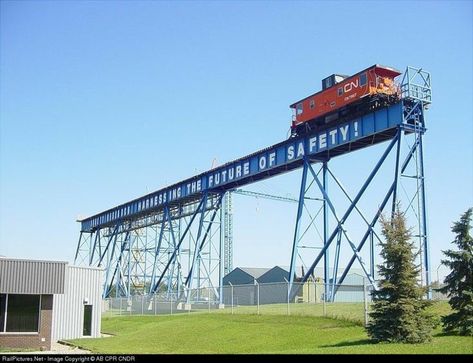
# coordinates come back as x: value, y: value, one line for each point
x: 398, y: 313
x: 459, y: 283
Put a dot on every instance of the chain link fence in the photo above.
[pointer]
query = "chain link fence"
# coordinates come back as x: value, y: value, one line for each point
x: 346, y: 301
x: 350, y: 302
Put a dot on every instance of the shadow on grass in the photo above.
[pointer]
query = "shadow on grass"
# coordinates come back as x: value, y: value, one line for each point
x: 349, y: 343
x: 448, y: 334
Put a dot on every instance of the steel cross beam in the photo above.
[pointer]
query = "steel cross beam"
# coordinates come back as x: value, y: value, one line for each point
x: 117, y: 268
x: 198, y: 247
x: 345, y: 215
x: 200, y: 209
x: 391, y: 192
x: 340, y: 223
x: 158, y: 245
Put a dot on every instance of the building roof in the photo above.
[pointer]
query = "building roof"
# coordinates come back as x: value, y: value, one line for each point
x: 255, y: 272
x: 31, y: 277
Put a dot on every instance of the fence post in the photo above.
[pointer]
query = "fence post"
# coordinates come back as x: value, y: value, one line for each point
x: 232, y: 295
x: 287, y: 300
x: 365, y: 301
x: 257, y: 296
x: 120, y: 311
x: 315, y: 292
x: 155, y: 304
x: 189, y: 305
x: 142, y: 304
x: 324, y: 300
x: 170, y: 301
x: 208, y: 290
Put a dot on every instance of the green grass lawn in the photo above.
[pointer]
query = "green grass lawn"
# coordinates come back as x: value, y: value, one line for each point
x: 353, y: 312
x: 248, y: 333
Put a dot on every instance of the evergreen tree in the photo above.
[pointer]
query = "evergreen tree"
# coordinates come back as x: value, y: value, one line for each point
x: 459, y: 283
x: 398, y: 313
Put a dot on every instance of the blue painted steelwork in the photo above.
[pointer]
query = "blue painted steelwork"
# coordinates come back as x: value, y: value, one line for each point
x: 114, y: 237
x: 417, y: 92
x: 264, y: 195
x: 378, y: 213
x: 295, y: 242
x: 78, y: 246
x: 341, y: 221
x: 425, y: 245
x: 277, y: 159
x: 340, y: 229
x: 326, y: 229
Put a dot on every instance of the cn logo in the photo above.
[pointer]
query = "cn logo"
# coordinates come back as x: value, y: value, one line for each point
x: 349, y: 86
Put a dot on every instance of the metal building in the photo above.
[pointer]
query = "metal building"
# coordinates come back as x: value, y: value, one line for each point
x: 275, y: 275
x: 250, y: 286
x: 82, y: 296
x: 244, y: 275
x: 44, y: 301
x: 250, y: 275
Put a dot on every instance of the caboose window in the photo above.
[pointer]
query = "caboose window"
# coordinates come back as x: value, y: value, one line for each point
x: 299, y: 108
x: 312, y: 104
x: 340, y: 91
x: 362, y: 79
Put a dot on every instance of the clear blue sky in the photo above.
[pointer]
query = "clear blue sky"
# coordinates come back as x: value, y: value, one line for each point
x: 101, y: 102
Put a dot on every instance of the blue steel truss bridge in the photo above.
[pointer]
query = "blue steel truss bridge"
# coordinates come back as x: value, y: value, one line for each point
x: 177, y: 242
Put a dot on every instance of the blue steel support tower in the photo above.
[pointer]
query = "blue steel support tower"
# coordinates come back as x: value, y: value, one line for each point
x: 416, y: 95
x: 176, y: 243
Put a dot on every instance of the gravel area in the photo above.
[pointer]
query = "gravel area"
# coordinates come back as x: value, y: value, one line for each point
x: 56, y: 348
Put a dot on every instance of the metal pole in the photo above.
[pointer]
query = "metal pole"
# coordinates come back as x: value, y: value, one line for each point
x: 170, y: 301
x: 288, y: 293
x: 326, y: 228
x: 288, y: 306
x: 365, y: 301
x: 257, y: 296
x: 189, y: 291
x: 424, y: 220
x: 315, y: 292
x: 208, y: 293
x: 397, y: 171
x: 308, y: 291
x: 300, y: 207
x: 323, y: 300
x: 372, y: 265
x: 232, y: 295
x: 221, y: 261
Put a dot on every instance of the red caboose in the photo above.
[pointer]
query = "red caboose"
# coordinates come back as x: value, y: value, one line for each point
x: 342, y: 96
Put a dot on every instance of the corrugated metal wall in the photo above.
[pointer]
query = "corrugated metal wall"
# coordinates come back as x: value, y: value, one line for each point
x: 83, y: 287
x: 31, y: 277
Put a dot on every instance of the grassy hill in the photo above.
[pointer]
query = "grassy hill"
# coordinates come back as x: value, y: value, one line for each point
x: 246, y: 333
